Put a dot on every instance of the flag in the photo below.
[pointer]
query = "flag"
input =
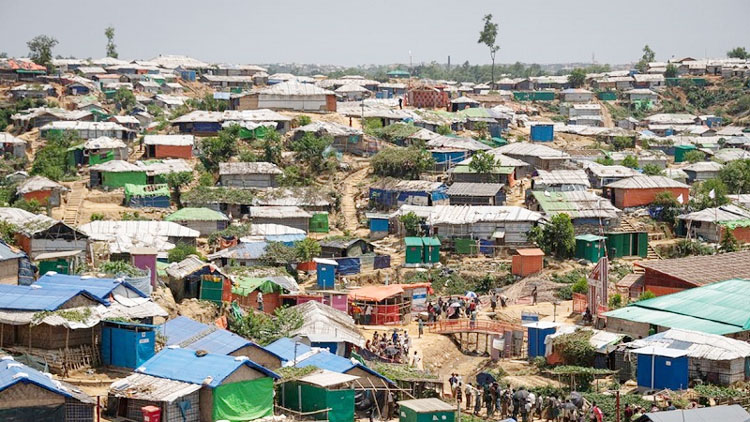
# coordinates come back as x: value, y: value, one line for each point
x: 680, y: 199
x: 712, y: 194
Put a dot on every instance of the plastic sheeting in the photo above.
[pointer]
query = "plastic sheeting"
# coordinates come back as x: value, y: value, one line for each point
x: 244, y: 401
x: 486, y: 246
x: 348, y: 266
x: 367, y: 262
x: 36, y: 414
x: 382, y: 261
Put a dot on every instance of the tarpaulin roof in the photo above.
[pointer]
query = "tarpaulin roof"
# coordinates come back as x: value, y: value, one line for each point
x: 146, y: 190
x: 100, y: 287
x: 427, y: 405
x: 146, y: 387
x: 196, y: 214
x: 186, y: 366
x: 697, y: 345
x: 376, y: 293
x: 28, y: 298
x: 12, y: 373
x: 286, y: 348
x: 190, y: 334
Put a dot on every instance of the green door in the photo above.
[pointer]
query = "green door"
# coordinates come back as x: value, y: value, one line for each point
x: 59, y: 266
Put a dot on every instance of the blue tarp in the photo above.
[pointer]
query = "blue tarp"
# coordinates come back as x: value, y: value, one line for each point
x: 285, y: 348
x: 348, y: 266
x: 101, y: 287
x: 125, y: 347
x: 27, y: 298
x: 218, y: 341
x: 378, y: 224
x: 382, y: 261
x: 184, y: 365
x: 486, y: 246
x: 149, y: 201
x: 9, y: 370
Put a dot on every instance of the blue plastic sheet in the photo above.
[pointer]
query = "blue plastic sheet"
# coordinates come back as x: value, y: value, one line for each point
x: 382, y: 261
x: 348, y: 266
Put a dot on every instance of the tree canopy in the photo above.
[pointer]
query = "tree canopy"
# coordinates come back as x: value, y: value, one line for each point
x: 483, y: 162
x: 736, y: 176
x: 702, y: 196
x: 577, y: 77
x: 738, y: 53
x: 556, y: 237
x: 40, y: 50
x: 109, y: 32
x: 488, y: 37
x: 402, y: 162
x: 647, y: 57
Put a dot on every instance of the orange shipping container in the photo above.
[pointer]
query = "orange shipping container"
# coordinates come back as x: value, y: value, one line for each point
x: 527, y: 261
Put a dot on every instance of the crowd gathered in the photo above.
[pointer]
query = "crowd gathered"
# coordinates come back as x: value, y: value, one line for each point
x: 393, y: 348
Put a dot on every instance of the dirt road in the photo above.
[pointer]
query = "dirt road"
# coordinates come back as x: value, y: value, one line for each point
x: 350, y: 192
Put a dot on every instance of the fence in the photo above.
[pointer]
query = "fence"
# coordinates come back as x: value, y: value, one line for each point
x: 580, y: 301
x: 448, y: 326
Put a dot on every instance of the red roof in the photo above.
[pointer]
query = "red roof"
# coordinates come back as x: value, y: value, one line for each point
x: 530, y: 252
x: 24, y: 65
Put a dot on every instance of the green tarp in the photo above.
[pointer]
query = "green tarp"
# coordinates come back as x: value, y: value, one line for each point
x: 244, y: 401
x: 245, y: 285
x: 145, y: 190
x: 120, y: 179
x: 319, y: 223
x: 314, y: 398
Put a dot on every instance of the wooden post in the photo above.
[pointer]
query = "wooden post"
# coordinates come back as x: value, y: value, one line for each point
x: 29, y: 338
x: 2, y: 326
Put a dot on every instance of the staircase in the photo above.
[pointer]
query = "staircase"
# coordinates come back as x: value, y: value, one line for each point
x: 651, y: 253
x: 75, y: 201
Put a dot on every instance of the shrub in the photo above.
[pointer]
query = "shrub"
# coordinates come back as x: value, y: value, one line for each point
x: 182, y: 251
x: 402, y: 163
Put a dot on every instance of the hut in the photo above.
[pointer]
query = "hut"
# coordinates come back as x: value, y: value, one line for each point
x: 139, y: 196
x: 325, y: 394
x: 587, y: 210
x: 527, y: 261
x: 126, y: 344
x: 249, y: 175
x: 120, y: 236
x: 476, y: 194
x: 425, y: 410
x: 87, y: 130
x: 328, y: 328
x: 247, y: 291
x: 174, y: 400
x: 388, y: 304
x: 193, y: 278
x: 290, y: 216
x: 42, y: 190
x: 640, y: 191
x: 98, y: 150
x: 626, y: 243
x: 601, y: 175
x: 116, y: 174
x: 590, y: 247
x: 576, y: 95
x: 462, y: 103
x: 247, y: 253
x: 561, y: 180
x: 13, y: 266
x: 12, y: 145
x: 710, y: 224
x: 379, y: 225
x: 389, y: 193
x: 352, y: 92
x: 345, y: 139
x: 38, y: 234
x: 193, y: 335
x: 536, y: 155
x: 169, y: 146
x: 233, y: 388
x: 681, y: 150
x: 345, y: 248
x: 712, y: 358
x: 293, y: 95
x: 30, y: 395
x: 422, y: 250
x: 701, y: 171
x: 205, y: 220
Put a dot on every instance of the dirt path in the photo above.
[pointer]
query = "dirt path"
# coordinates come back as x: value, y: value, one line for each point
x: 348, y: 199
x: 606, y: 117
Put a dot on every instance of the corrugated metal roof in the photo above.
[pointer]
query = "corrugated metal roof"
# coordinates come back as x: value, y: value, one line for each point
x: 259, y: 167
x: 75, y: 125
x: 531, y: 150
x: 700, y: 270
x: 427, y: 405
x: 196, y: 214
x: 37, y: 183
x: 104, y: 142
x: 466, y: 144
x: 324, y: 378
x: 278, y: 212
x: 28, y: 298
x: 146, y: 387
x: 176, y: 140
x: 696, y: 344
x: 732, y: 413
x: 110, y: 228
x: 244, y: 250
x: 474, y: 189
x: 577, y: 204
x: 672, y: 320
x: 468, y: 214
x: 647, y: 182
x: 562, y: 177
x: 722, y: 213
x: 320, y: 319
x: 704, y: 166
x: 294, y: 88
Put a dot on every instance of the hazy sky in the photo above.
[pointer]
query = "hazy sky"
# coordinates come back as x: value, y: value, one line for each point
x: 351, y: 32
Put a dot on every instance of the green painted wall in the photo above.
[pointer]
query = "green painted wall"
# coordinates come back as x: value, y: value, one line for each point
x: 119, y: 180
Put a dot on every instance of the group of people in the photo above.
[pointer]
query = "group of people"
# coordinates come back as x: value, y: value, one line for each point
x: 453, y: 308
x: 394, y: 348
x: 633, y: 412
x: 511, y: 403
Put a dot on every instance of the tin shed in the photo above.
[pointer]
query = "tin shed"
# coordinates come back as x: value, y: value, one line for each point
x: 537, y: 333
x: 127, y: 345
x: 414, y: 250
x: 326, y: 272
x: 431, y: 250
x: 322, y: 390
x: 527, y: 261
x: 426, y: 410
x: 660, y: 368
x: 590, y: 247
x: 621, y: 244
x: 542, y: 132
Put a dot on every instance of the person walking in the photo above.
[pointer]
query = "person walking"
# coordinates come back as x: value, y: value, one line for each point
x: 469, y: 394
x: 420, y: 327
x: 368, y: 314
x: 596, y: 413
x: 478, y: 401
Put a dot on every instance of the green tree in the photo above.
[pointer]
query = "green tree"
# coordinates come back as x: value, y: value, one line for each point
x: 671, y: 71
x: 265, y: 329
x: 176, y: 181
x: 606, y: 161
x: 220, y: 148
x: 488, y: 37
x: 483, y: 162
x: 615, y: 301
x: 277, y: 253
x: 580, y: 286
x: 728, y: 242
x: 40, y: 50
x: 412, y: 224
x: 402, y: 162
x: 124, y: 99
x: 623, y: 142
x: 51, y: 160
x: 738, y: 53
x: 31, y: 205
x: 668, y: 205
x: 307, y: 249
x: 310, y: 150
x: 694, y: 156
x: 647, y: 57
x: 181, y: 251
x: 558, y: 237
x: 736, y: 176
x: 630, y: 161
x: 648, y: 294
x: 652, y: 170
x: 482, y: 130
x: 577, y: 77
x: 109, y: 32
x: 303, y: 120
x: 444, y: 130
x: 8, y: 232
x: 272, y: 147
x: 702, y: 194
